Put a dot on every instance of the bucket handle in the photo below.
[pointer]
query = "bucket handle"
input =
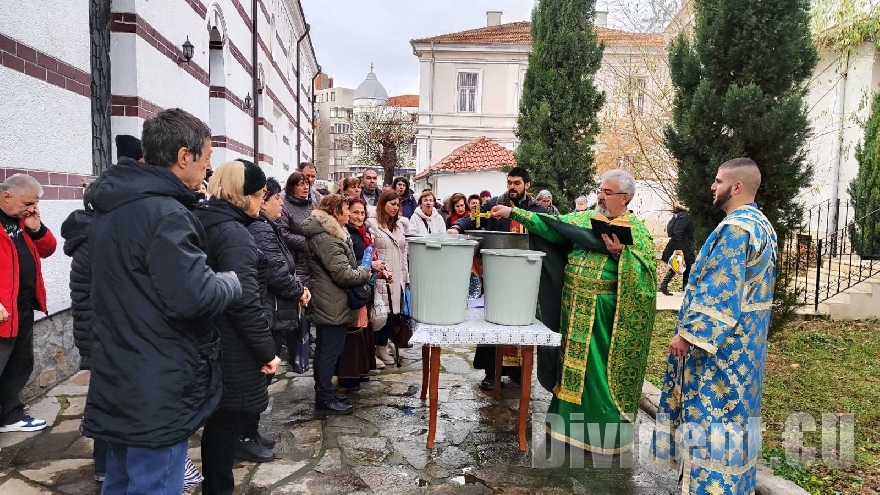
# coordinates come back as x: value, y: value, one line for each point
x: 433, y: 245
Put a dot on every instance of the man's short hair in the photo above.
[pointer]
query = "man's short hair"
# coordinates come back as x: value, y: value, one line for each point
x: 304, y: 165
x: 521, y: 173
x: 543, y: 194
x: 167, y: 132
x: 747, y: 166
x: 364, y: 173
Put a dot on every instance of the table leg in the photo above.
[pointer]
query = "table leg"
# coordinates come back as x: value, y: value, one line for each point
x: 432, y: 391
x: 499, y: 360
x: 528, y: 353
x: 426, y: 365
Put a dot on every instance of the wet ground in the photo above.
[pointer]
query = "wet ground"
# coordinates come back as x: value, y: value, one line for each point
x: 378, y: 449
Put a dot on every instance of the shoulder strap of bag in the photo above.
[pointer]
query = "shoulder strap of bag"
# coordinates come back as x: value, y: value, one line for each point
x: 426, y: 224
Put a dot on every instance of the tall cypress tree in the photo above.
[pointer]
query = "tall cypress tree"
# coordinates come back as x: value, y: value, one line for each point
x: 739, y: 93
x: 558, y: 124
x: 865, y: 189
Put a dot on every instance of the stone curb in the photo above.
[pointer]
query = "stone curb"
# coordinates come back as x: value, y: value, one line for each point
x: 766, y: 483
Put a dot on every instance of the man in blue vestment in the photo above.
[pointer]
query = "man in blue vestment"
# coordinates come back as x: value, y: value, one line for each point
x: 711, y: 396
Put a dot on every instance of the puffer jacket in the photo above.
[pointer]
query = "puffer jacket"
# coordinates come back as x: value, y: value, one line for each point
x: 295, y: 211
x: 283, y: 287
x: 75, y: 231
x: 408, y: 205
x: 391, y: 246
x: 245, y: 336
x: 334, y: 269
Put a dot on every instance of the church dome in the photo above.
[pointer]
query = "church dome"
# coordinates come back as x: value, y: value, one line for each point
x: 371, y: 89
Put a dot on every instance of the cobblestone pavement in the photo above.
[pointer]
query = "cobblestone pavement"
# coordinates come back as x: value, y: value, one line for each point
x: 378, y: 449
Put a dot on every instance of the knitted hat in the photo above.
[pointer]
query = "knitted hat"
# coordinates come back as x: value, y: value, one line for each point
x: 128, y: 146
x: 254, y: 178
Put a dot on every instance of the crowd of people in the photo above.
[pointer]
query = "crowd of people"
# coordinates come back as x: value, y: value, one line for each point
x: 207, y: 273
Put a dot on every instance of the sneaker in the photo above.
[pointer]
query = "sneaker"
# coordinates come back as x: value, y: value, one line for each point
x: 100, y: 477
x: 26, y: 423
x: 250, y: 450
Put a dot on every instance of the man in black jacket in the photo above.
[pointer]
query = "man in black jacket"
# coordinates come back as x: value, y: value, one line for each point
x: 155, y: 375
x: 518, y: 182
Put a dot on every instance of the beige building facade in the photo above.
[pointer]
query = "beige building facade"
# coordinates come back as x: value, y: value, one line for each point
x: 471, y: 82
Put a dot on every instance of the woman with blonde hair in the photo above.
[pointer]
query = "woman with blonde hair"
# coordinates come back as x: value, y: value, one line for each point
x: 246, y: 346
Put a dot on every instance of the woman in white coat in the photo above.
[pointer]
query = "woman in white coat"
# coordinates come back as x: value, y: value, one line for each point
x: 389, y: 236
x: 426, y: 219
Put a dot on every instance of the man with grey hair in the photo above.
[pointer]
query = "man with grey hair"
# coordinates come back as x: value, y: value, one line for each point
x: 26, y: 242
x: 601, y: 296
x: 546, y: 199
x: 580, y: 203
x: 155, y: 375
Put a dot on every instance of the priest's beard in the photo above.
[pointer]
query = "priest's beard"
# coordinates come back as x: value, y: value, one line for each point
x: 600, y: 208
x: 722, y: 197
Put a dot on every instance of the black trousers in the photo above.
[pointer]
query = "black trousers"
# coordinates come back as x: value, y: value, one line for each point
x: 219, y: 442
x: 384, y: 334
x: 16, y: 364
x: 329, y: 345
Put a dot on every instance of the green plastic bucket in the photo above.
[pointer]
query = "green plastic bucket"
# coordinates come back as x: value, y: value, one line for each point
x: 510, y: 285
x: 439, y: 277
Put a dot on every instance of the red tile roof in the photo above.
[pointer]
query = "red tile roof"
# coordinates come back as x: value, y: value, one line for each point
x: 480, y: 154
x: 405, y: 101
x: 519, y: 33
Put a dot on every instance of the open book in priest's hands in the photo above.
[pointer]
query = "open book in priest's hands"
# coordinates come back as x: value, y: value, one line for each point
x: 620, y: 227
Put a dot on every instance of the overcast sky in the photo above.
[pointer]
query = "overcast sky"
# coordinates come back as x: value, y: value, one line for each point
x: 349, y: 34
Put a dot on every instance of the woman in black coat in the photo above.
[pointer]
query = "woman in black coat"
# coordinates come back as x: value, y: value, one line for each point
x: 680, y: 230
x: 284, y: 292
x: 248, y: 351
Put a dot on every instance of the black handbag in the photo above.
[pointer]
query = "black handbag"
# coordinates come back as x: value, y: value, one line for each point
x: 359, y: 296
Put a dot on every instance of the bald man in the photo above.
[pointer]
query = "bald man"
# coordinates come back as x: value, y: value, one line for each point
x: 712, y: 390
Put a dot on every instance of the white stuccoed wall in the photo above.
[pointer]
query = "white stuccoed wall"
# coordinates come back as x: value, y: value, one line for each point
x: 59, y: 28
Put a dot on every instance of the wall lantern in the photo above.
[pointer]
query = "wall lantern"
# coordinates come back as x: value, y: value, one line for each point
x: 248, y: 101
x: 188, y: 51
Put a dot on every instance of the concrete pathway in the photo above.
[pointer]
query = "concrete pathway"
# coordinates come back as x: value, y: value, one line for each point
x: 670, y: 303
x: 378, y: 449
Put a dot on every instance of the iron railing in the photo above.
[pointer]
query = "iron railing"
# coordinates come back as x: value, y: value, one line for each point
x: 821, y: 261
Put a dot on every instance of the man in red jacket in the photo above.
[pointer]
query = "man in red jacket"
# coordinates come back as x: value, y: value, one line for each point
x: 22, y: 291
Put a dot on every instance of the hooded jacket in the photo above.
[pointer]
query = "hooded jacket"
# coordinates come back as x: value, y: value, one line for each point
x: 334, y: 269
x: 75, y: 231
x: 295, y: 211
x: 283, y: 287
x: 155, y: 375
x: 421, y: 224
x: 245, y: 336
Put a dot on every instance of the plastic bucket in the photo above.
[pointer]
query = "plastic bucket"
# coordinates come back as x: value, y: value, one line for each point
x: 510, y: 282
x: 439, y: 276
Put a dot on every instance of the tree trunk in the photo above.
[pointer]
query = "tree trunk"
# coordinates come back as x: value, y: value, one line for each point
x: 99, y: 25
x: 388, y: 161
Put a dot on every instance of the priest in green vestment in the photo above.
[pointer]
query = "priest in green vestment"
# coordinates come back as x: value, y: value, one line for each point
x: 606, y: 305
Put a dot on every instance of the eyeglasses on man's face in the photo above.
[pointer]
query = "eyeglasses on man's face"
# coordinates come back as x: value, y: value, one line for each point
x: 609, y: 192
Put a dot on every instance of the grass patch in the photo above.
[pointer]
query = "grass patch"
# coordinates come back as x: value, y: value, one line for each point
x: 815, y: 367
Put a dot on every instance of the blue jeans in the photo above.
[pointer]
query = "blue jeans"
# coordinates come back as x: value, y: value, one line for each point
x: 145, y: 471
